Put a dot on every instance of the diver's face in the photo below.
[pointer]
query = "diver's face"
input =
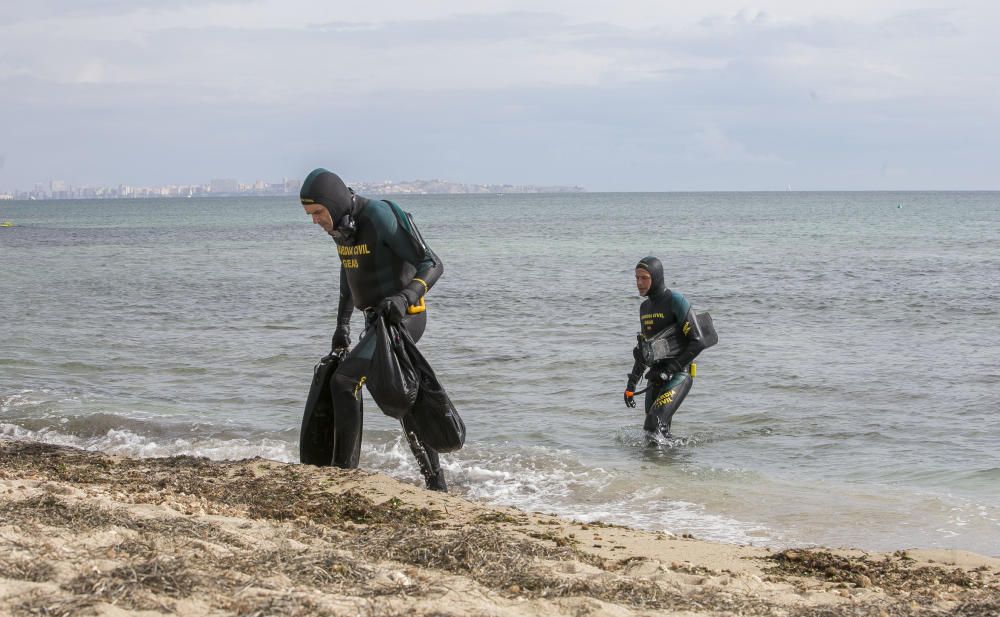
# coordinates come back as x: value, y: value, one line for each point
x: 320, y: 216
x: 643, y: 281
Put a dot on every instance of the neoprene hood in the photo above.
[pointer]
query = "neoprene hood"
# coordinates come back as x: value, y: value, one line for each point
x: 327, y: 189
x: 655, y: 268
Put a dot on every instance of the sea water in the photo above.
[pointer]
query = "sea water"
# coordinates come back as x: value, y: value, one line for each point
x: 852, y: 399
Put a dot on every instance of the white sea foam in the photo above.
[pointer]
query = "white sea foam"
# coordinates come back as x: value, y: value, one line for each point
x: 127, y: 443
x: 542, y: 480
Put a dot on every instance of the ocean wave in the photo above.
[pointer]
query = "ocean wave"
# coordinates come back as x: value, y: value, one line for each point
x: 17, y: 362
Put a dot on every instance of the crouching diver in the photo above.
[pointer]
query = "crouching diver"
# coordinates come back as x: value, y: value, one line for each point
x: 385, y: 269
x: 671, y: 337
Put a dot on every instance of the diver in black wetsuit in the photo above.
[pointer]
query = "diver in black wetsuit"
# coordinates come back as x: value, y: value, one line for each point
x: 665, y: 315
x: 385, y: 268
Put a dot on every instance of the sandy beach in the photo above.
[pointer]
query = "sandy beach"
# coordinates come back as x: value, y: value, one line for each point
x: 83, y: 533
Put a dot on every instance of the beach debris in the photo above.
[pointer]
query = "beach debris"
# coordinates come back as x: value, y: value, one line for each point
x: 288, y: 541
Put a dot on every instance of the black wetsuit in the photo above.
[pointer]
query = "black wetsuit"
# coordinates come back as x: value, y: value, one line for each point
x: 669, y: 381
x: 379, y: 261
x: 383, y: 255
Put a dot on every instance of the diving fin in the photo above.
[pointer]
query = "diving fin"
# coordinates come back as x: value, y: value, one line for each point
x: 316, y: 435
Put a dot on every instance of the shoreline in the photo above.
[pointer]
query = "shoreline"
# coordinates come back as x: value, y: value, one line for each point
x: 88, y: 533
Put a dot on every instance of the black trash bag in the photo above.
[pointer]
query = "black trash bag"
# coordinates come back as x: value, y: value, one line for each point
x: 391, y: 380
x: 709, y: 336
x: 435, y: 418
x: 316, y: 436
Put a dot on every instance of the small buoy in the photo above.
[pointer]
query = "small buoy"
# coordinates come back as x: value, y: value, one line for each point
x: 6, y: 224
x: 899, y: 205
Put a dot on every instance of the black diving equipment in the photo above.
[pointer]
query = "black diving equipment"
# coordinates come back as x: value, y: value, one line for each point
x: 344, y: 229
x: 692, y: 370
x: 669, y: 342
x: 316, y: 434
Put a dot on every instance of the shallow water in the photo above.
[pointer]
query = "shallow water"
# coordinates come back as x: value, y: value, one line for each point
x: 852, y: 399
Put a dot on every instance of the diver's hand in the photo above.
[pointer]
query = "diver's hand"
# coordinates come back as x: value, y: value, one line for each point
x: 629, y: 399
x: 341, y: 337
x: 633, y: 379
x: 393, y: 308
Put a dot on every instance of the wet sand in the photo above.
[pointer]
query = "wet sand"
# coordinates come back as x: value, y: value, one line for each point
x: 83, y: 533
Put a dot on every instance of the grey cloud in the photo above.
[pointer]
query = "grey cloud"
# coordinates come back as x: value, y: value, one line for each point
x: 181, y: 65
x: 745, y: 32
x: 512, y: 26
x: 760, y: 35
x: 191, y: 103
x: 16, y: 12
x: 747, y: 44
x: 926, y: 23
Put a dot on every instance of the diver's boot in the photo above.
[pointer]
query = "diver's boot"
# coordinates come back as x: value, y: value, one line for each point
x: 436, y: 482
x: 664, y: 428
x: 427, y: 458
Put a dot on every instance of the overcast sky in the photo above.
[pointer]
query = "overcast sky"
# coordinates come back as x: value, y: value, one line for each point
x: 611, y: 95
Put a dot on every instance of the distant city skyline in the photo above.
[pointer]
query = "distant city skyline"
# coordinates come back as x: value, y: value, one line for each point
x: 614, y: 96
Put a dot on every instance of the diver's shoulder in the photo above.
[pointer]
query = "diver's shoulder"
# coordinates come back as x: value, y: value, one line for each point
x: 678, y: 300
x: 378, y: 211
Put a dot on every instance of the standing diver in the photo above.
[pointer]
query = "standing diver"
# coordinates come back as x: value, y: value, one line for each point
x: 385, y: 269
x: 671, y: 337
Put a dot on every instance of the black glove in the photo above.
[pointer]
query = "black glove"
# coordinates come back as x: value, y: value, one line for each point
x: 637, y: 355
x: 672, y: 367
x: 629, y: 399
x: 341, y: 337
x: 630, y: 391
x: 394, y: 308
